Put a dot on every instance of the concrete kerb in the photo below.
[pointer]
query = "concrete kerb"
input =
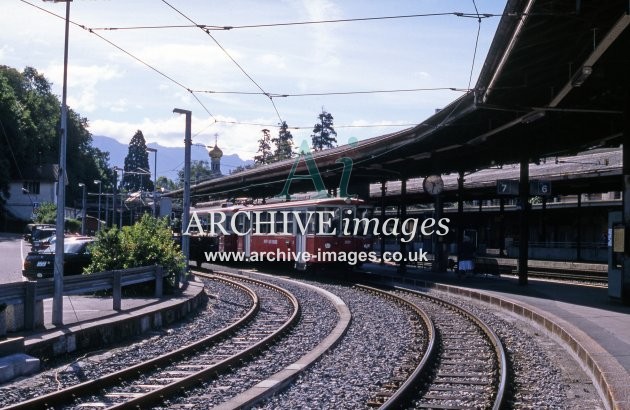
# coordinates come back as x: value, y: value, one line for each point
x: 284, y: 377
x: 98, y: 333
x: 608, y: 376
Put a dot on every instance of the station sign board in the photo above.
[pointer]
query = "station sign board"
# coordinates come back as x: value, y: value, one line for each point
x: 539, y: 188
x: 507, y: 187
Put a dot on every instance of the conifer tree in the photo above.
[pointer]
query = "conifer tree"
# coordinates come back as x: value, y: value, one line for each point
x: 265, y: 155
x: 283, y: 142
x: 136, y: 165
x: 324, y: 135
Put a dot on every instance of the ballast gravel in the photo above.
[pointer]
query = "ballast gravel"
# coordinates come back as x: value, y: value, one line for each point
x: 543, y: 374
x: 351, y: 373
x: 226, y: 304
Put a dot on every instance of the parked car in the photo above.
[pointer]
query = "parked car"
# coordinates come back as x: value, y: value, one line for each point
x: 33, y: 230
x: 42, y: 238
x: 77, y: 256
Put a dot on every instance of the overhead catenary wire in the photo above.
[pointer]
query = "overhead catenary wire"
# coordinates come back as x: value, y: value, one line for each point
x: 472, y: 66
x: 229, y: 56
x: 217, y: 27
x: 262, y: 91
x: 325, y: 93
x: 138, y: 59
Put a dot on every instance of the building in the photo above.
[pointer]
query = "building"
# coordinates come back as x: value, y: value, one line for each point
x: 33, y: 187
x: 215, y: 160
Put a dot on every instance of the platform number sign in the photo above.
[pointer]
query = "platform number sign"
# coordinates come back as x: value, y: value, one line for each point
x: 507, y: 187
x: 540, y: 188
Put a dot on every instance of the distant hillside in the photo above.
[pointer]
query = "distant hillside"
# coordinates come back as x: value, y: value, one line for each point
x: 169, y: 160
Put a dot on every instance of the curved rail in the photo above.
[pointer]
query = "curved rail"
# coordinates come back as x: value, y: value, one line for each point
x: 280, y: 380
x: 174, y: 388
x: 491, y: 336
x: 407, y: 389
x: 69, y: 394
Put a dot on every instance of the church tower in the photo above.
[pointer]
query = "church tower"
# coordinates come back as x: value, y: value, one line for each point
x: 215, y: 159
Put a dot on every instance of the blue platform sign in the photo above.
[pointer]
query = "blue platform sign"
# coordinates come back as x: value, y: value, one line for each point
x: 507, y: 187
x: 539, y: 188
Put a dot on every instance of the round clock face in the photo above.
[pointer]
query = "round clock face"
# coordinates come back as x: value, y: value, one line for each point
x: 433, y: 185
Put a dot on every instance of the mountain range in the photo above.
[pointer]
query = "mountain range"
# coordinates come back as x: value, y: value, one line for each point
x: 169, y: 159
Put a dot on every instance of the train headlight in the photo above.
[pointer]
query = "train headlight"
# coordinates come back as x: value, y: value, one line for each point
x: 327, y: 245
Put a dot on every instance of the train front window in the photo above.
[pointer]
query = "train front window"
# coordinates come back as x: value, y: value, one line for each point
x: 328, y: 220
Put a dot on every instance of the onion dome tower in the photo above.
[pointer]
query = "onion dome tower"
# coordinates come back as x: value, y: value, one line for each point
x: 215, y: 159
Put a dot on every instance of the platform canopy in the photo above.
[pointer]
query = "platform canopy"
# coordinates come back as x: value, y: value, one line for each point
x: 555, y: 82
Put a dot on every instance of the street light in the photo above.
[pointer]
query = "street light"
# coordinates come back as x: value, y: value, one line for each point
x: 81, y: 184
x: 154, y: 151
x: 122, y: 174
x: 98, y: 181
x: 57, y: 311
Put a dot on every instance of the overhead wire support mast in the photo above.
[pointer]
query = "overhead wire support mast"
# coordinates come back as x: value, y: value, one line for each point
x: 57, y: 310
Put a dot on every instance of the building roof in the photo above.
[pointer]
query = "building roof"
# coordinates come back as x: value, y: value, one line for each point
x: 41, y: 173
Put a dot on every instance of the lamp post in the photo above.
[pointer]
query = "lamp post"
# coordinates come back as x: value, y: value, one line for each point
x: 83, y: 205
x: 57, y: 310
x: 154, y: 151
x: 115, y: 169
x: 186, y: 199
x: 98, y: 182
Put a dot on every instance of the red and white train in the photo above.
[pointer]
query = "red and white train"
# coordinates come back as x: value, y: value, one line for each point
x: 306, y: 233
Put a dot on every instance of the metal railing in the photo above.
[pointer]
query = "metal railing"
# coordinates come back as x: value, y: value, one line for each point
x: 29, y: 293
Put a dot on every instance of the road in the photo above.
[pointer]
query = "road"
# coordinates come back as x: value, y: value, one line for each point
x: 12, y: 252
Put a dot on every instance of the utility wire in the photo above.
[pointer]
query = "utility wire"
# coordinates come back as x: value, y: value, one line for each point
x: 472, y: 67
x: 138, y: 59
x: 263, y: 92
x: 284, y: 95
x: 475, y: 15
x: 229, y: 56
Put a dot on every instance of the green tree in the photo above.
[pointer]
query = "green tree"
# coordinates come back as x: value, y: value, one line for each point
x: 46, y: 213
x: 137, y: 173
x: 283, y: 143
x: 199, y: 171
x: 166, y: 183
x: 30, y: 116
x: 324, y: 135
x: 265, y: 155
x: 241, y: 168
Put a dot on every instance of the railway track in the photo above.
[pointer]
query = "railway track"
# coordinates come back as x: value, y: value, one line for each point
x: 470, y: 369
x: 407, y: 376
x: 588, y: 278
x: 273, y: 312
x: 464, y: 365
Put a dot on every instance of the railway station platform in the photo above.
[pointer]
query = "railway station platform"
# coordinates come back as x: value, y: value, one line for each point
x: 91, y: 321
x: 582, y: 318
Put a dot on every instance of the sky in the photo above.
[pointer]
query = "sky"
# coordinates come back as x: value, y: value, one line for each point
x: 119, y: 94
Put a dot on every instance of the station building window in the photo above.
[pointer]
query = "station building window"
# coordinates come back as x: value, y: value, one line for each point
x: 30, y: 187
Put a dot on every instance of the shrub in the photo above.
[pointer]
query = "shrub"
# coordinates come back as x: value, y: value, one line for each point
x: 73, y: 225
x: 146, y: 243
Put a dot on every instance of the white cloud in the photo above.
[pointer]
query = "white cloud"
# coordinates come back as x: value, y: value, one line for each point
x: 273, y: 61
x: 119, y: 106
x: 83, y: 82
x: 4, y: 50
x: 185, y: 56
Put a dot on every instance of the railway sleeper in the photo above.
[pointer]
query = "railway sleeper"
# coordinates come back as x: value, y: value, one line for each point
x: 462, y: 382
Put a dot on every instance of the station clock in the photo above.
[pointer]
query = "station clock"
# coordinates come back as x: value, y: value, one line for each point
x: 433, y: 185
